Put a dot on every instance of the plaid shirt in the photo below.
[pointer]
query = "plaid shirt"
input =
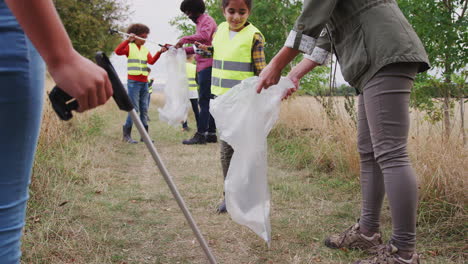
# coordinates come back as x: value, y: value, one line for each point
x: 258, y: 53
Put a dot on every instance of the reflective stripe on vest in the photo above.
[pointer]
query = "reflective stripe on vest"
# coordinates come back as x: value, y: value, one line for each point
x: 191, y: 72
x: 137, y: 60
x: 150, y: 86
x: 232, y: 60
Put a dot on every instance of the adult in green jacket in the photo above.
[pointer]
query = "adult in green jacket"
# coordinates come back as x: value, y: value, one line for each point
x: 379, y: 54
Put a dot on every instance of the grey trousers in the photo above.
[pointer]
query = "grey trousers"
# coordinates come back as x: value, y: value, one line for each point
x: 226, y: 155
x: 383, y: 125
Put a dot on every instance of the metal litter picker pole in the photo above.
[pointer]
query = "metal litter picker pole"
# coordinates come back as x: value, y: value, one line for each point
x: 113, y: 31
x: 170, y: 183
x: 63, y: 104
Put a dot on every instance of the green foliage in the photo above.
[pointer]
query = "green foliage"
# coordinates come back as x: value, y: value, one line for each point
x: 441, y: 25
x: 88, y: 22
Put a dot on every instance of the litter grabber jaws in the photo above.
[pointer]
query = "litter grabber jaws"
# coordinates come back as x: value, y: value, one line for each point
x: 64, y: 104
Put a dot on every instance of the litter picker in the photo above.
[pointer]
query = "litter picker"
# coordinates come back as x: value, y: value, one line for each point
x: 64, y: 104
x: 113, y: 31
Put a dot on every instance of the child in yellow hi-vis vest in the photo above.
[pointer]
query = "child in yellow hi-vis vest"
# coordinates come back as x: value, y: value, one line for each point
x: 137, y: 66
x: 193, y: 89
x: 237, y: 55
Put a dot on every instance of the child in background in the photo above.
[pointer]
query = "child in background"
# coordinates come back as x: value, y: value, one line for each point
x: 237, y: 55
x: 193, y: 89
x: 205, y: 28
x: 138, y: 71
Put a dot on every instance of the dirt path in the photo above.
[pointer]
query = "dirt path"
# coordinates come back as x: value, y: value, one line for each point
x: 136, y: 220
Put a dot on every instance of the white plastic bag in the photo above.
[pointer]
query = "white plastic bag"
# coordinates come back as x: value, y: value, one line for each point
x: 244, y: 120
x: 176, y: 89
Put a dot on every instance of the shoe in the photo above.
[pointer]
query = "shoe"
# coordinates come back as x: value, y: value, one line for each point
x: 196, y: 139
x: 127, y: 135
x: 146, y: 128
x: 352, y: 238
x: 387, y: 254
x: 211, y: 138
x: 222, y: 207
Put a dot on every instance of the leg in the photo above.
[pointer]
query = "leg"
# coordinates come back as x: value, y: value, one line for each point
x: 195, y: 110
x: 372, y: 185
x: 386, y: 100
x: 134, y: 94
x: 22, y: 74
x: 226, y: 155
x: 204, y: 81
x: 143, y: 97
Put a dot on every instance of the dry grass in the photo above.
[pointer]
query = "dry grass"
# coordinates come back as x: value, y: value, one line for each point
x: 97, y: 200
x: 439, y: 163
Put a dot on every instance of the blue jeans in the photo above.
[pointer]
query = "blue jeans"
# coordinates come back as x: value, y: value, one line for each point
x: 206, y: 123
x: 22, y: 74
x: 138, y: 93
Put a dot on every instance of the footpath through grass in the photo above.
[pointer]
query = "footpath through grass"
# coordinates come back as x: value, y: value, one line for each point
x: 96, y: 199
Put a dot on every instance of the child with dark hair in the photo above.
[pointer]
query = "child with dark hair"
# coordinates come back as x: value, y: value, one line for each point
x: 138, y: 71
x: 238, y: 53
x: 205, y: 28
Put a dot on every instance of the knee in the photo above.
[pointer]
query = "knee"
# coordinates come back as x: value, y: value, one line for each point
x: 392, y: 157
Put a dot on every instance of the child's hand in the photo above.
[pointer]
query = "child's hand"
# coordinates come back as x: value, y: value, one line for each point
x: 162, y: 50
x: 201, y: 46
x: 131, y: 38
x: 83, y: 80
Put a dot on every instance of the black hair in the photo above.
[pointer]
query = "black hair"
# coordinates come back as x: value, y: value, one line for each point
x: 248, y: 3
x: 197, y: 7
x: 138, y: 29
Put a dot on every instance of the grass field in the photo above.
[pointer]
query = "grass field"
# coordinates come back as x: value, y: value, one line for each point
x: 95, y: 199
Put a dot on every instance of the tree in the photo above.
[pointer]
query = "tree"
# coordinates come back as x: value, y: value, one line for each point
x: 441, y: 25
x: 88, y: 23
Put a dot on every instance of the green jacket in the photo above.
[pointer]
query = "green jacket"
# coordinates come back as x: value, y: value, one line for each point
x: 365, y: 36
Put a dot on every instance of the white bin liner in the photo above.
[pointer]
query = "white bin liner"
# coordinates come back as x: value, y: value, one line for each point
x: 176, y: 89
x: 244, y: 120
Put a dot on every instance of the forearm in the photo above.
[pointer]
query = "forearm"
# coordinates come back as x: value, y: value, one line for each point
x: 42, y: 24
x: 301, y: 69
x: 283, y: 58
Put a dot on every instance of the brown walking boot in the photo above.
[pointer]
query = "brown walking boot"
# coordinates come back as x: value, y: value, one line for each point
x: 387, y: 254
x: 352, y: 238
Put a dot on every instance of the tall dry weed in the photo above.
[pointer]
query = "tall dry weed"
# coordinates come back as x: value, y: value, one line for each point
x: 440, y: 163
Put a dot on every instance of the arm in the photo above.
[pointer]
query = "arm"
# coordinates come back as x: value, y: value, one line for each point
x: 258, y: 54
x: 152, y: 60
x: 302, y: 38
x: 123, y: 48
x: 76, y: 75
x: 318, y: 57
x: 205, y: 31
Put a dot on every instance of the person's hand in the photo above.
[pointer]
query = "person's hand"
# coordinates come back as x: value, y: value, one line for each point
x: 269, y: 76
x: 178, y: 45
x: 163, y: 49
x: 83, y: 80
x: 201, y: 46
x: 131, y: 38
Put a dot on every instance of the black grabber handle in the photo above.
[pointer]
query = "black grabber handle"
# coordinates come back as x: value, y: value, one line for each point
x: 63, y: 104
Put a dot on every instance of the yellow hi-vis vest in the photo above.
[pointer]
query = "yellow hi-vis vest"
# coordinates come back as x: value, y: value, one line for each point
x: 137, y: 62
x: 191, y: 72
x: 150, y: 86
x: 232, y: 58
